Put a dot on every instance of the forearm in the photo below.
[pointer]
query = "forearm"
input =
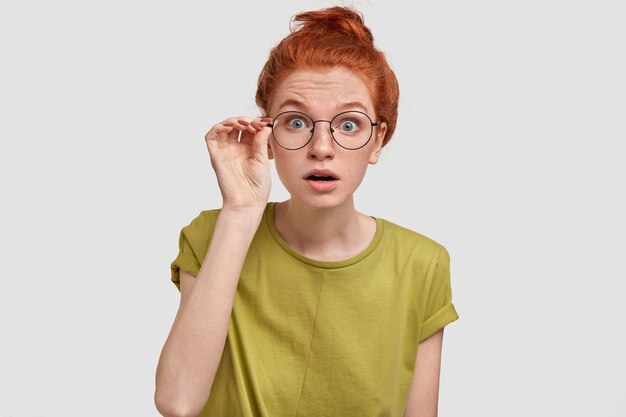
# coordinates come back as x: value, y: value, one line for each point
x: 194, y: 347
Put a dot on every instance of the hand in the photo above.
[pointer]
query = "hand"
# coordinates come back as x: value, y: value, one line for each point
x: 241, y: 165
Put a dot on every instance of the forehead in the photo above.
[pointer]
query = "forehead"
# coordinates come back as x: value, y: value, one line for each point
x: 321, y: 90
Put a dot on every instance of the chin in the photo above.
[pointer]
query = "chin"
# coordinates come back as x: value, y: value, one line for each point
x: 314, y: 200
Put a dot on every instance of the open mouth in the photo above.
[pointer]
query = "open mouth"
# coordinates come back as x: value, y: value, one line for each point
x: 320, y: 178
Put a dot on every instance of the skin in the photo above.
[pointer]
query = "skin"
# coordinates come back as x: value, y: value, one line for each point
x: 321, y: 225
x: 324, y: 225
x: 423, y: 399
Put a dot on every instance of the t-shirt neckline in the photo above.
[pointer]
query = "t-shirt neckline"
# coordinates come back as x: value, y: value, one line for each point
x: 269, y: 217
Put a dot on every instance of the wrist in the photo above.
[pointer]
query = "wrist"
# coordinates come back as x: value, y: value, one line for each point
x: 244, y: 218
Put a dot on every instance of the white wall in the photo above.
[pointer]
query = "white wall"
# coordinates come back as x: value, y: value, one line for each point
x: 508, y: 151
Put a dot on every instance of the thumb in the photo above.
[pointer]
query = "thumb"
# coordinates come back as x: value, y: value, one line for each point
x: 260, y: 142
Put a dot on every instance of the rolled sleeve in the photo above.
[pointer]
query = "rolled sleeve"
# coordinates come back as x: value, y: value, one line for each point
x: 439, y: 310
x: 185, y: 260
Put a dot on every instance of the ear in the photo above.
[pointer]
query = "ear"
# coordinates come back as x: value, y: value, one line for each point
x: 381, y: 131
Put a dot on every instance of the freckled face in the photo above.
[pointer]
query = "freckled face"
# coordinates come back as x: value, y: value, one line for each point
x: 321, y: 93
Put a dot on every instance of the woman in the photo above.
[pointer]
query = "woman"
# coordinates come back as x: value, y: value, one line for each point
x: 306, y: 307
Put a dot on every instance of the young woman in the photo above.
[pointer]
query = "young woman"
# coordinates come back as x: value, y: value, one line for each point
x: 306, y: 307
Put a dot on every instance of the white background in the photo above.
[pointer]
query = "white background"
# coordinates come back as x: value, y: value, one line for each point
x: 507, y: 151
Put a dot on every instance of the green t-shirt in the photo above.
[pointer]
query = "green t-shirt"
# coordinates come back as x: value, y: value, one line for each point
x: 317, y: 338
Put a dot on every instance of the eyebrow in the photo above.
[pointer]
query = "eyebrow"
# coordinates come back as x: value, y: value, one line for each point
x: 341, y: 106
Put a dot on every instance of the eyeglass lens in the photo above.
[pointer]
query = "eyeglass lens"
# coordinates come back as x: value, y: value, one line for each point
x: 292, y: 130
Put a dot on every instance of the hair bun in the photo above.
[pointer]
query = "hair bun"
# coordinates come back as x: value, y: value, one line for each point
x: 325, y: 38
x: 336, y: 19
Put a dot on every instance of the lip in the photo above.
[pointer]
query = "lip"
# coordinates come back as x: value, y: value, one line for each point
x: 322, y: 185
x: 324, y: 172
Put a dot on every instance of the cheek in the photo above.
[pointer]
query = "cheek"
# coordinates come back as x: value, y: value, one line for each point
x: 286, y: 168
x: 357, y: 167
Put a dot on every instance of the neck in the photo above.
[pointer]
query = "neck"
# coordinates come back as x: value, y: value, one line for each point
x: 324, y: 231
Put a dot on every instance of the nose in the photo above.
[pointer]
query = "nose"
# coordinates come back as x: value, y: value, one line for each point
x: 322, y: 144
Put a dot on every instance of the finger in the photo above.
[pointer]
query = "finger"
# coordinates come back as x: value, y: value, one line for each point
x: 220, y: 129
x: 254, y: 126
x: 260, y: 143
x: 220, y: 136
x: 223, y: 129
x: 247, y: 136
x: 228, y: 133
x: 258, y: 125
x: 213, y: 134
x: 241, y: 125
x: 232, y: 121
x: 242, y: 128
x: 249, y: 128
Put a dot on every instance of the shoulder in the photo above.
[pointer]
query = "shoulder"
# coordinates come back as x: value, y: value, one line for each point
x: 203, y: 221
x: 412, y: 242
x: 200, y: 228
x: 411, y: 237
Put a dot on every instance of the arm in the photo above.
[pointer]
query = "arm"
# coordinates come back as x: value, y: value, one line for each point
x: 424, y: 391
x: 194, y: 347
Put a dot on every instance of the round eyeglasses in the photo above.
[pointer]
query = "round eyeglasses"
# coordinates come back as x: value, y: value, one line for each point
x: 350, y: 129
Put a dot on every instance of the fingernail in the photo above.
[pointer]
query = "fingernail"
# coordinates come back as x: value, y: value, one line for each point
x: 256, y: 125
x: 228, y: 123
x: 266, y: 119
x: 243, y: 122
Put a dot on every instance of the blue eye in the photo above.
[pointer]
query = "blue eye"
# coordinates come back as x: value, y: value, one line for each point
x: 349, y: 125
x: 296, y: 123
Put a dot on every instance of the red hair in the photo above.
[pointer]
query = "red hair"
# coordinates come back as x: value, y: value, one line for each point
x: 331, y: 37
